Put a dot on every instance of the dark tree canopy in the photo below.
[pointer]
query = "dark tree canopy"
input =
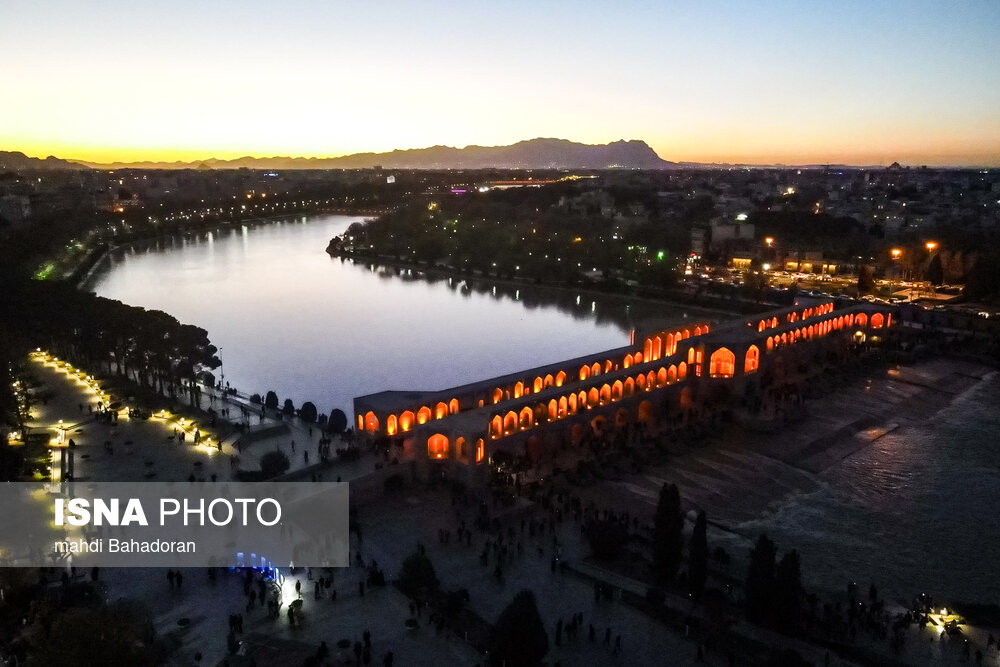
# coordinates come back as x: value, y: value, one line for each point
x: 984, y: 277
x: 519, y: 638
x: 273, y: 464
x: 271, y: 400
x: 307, y: 412
x: 698, y: 555
x: 935, y: 270
x: 788, y: 593
x: 417, y: 577
x: 121, y: 634
x: 759, y: 589
x: 288, y: 408
x: 668, y: 538
x: 338, y: 421
x: 866, y: 280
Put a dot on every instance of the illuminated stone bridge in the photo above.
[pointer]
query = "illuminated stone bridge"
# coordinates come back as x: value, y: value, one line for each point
x: 672, y: 372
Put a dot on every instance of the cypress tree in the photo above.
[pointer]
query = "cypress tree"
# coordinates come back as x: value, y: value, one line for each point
x: 698, y: 555
x: 519, y: 638
x: 668, y: 539
x: 759, y: 588
x: 788, y: 593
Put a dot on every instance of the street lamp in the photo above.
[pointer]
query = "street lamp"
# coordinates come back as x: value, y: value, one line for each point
x: 931, y: 247
x: 896, y: 254
x: 769, y: 241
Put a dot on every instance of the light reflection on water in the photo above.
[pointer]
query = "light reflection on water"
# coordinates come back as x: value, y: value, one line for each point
x: 917, y: 511
x: 290, y: 318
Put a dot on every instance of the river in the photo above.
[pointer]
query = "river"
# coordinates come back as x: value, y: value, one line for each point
x: 915, y: 512
x: 289, y: 318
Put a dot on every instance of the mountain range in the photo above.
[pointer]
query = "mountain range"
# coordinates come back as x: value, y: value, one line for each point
x: 529, y: 154
x: 17, y: 161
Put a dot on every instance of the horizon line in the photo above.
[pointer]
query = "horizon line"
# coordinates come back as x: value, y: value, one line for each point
x: 125, y: 163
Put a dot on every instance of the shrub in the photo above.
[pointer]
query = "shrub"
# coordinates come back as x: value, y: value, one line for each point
x: 417, y: 576
x: 273, y: 464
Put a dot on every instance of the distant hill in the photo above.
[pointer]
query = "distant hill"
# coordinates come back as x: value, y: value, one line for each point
x: 17, y: 161
x: 530, y: 154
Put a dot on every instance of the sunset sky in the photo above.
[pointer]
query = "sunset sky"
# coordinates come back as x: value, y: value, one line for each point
x: 866, y: 82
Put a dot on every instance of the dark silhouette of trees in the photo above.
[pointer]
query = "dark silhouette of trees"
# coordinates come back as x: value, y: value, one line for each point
x: 774, y: 594
x: 147, y: 347
x: 668, y: 539
x: 866, y: 280
x: 519, y: 638
x: 338, y: 421
x: 11, y: 464
x: 118, y: 634
x: 288, y: 408
x: 273, y: 464
x: 417, y: 577
x: 271, y: 400
x: 759, y: 588
x: 984, y: 277
x: 755, y: 286
x: 698, y: 555
x: 935, y: 271
x: 788, y: 593
x: 308, y: 412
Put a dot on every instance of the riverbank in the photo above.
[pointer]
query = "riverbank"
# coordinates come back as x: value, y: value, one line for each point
x: 91, y: 262
x: 644, y: 312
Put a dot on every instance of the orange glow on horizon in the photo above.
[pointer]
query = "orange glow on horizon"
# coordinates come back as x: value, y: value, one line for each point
x: 824, y: 148
x: 878, y: 83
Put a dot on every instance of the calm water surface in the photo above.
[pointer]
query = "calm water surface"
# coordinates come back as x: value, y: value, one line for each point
x: 291, y: 319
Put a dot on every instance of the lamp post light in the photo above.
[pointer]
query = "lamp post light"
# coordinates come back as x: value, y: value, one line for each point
x: 931, y: 247
x: 896, y: 253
